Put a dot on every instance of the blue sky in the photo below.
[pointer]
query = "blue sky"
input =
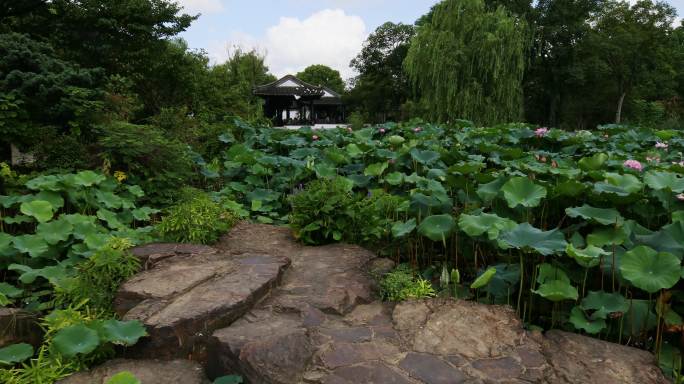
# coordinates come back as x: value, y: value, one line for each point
x: 293, y: 34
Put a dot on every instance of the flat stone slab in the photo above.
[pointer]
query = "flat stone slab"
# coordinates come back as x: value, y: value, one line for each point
x: 580, y: 359
x: 184, y: 297
x: 147, y: 371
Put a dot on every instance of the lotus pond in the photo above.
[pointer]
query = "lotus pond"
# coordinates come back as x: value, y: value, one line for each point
x: 577, y: 230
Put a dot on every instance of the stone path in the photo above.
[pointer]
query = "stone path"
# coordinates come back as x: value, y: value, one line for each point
x: 263, y: 306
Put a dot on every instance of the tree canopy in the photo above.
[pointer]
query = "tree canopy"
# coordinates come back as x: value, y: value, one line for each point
x: 468, y: 62
x: 319, y: 74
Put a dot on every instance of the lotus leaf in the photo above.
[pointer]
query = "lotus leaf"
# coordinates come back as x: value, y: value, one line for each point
x: 664, y: 180
x: 649, y: 270
x: 124, y: 377
x: 34, y: 245
x: 122, y: 332
x: 593, y: 163
x: 88, y: 178
x: 376, y: 169
x: 522, y: 191
x: 41, y: 210
x: 605, y: 216
x: 437, y: 227
x: 557, y: 290
x: 484, y: 278
x: 424, y: 157
x: 605, y: 303
x: 55, y: 231
x: 580, y: 321
x: 588, y: 257
x: 492, y: 224
x: 75, y: 339
x: 15, y: 353
x: 525, y: 236
x: 401, y: 229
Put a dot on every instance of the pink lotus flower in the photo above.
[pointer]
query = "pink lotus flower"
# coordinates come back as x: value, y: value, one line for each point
x: 382, y: 130
x: 660, y: 145
x: 417, y: 129
x: 633, y: 164
x: 655, y: 159
x: 541, y: 132
x: 680, y: 197
x: 315, y: 137
x: 350, y: 129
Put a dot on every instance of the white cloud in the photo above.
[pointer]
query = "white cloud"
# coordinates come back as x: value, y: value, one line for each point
x: 201, y: 6
x: 329, y: 37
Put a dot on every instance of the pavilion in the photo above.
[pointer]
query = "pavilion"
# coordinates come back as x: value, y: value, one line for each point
x: 293, y: 102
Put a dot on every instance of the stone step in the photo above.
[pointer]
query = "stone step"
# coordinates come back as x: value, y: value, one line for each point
x: 146, y: 371
x: 182, y: 297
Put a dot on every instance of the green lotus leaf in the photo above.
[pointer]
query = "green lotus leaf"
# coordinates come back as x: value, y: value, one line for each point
x: 54, y: 198
x: 143, y: 213
x: 376, y: 169
x: 649, y: 270
x: 605, y: 303
x: 570, y: 188
x: 489, y: 191
x: 122, y: 332
x: 75, y: 339
x: 525, y: 236
x: 135, y: 190
x: 110, y: 218
x: 639, y: 319
x: 10, y: 290
x: 678, y: 216
x: 325, y: 171
x: 6, y: 247
x: 34, y: 245
x: 55, y: 231
x: 108, y: 199
x: 437, y: 227
x: 548, y: 272
x: 580, y: 321
x: 669, y: 238
x: 124, y: 377
x: 353, y: 150
x: 588, y: 257
x: 593, y: 163
x: 664, y: 180
x: 605, y: 216
x: 484, y: 278
x: 41, y: 210
x: 400, y: 229
x: 394, y: 178
x: 621, y: 185
x: 54, y: 274
x: 44, y: 183
x: 96, y: 241
x: 20, y: 219
x: 88, y: 178
x: 424, y: 157
x: 522, y: 191
x: 608, y: 236
x: 9, y: 201
x: 492, y: 224
x: 15, y: 353
x: 557, y: 290
x: 360, y: 181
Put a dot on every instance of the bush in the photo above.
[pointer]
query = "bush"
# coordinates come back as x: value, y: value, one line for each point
x: 158, y: 164
x: 98, y: 278
x: 356, y: 120
x: 327, y: 211
x: 196, y: 219
x: 400, y: 285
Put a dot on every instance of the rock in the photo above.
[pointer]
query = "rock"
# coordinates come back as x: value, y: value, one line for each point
x: 147, y: 371
x: 449, y: 327
x: 367, y: 373
x: 431, y: 369
x: 19, y: 326
x: 151, y: 254
x: 184, y: 298
x: 380, y: 267
x: 579, y: 359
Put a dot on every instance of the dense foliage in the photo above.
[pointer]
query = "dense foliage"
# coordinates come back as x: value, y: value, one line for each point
x: 579, y: 230
x: 459, y: 78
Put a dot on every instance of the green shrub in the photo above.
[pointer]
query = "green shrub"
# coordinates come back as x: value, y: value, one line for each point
x: 356, y: 120
x: 196, y: 219
x: 328, y: 211
x: 401, y: 284
x: 98, y: 278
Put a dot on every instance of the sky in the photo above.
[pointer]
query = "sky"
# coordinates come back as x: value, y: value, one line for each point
x: 293, y: 34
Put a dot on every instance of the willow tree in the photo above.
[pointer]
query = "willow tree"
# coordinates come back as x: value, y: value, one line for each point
x: 467, y: 62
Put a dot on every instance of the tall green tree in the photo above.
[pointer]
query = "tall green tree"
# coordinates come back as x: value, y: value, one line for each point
x: 319, y: 74
x: 636, y: 45
x: 468, y: 62
x: 382, y: 86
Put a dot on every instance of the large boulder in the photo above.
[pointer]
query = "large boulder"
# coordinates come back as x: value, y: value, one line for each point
x: 147, y: 371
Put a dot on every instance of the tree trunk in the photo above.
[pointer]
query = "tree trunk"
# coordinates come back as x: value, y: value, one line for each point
x: 618, y: 114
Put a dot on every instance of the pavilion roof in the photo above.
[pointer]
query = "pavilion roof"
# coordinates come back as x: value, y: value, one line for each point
x: 290, y: 86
